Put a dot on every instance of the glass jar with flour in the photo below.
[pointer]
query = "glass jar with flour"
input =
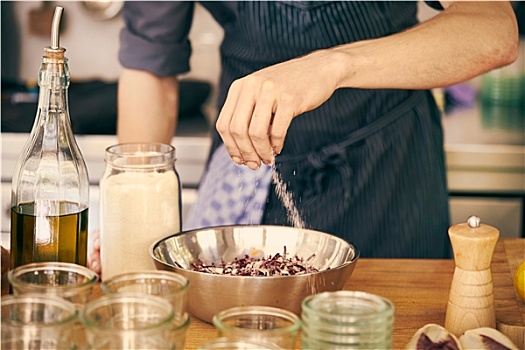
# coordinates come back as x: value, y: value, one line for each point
x: 140, y: 202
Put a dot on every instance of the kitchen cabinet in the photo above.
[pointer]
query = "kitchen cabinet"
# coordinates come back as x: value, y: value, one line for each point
x: 506, y: 214
x: 485, y: 155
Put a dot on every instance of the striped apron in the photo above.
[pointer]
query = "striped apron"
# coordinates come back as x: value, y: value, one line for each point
x: 367, y: 165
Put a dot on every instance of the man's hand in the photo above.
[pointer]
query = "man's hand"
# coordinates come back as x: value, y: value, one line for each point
x: 260, y: 107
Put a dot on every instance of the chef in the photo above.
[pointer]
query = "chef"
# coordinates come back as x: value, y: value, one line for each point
x: 330, y: 100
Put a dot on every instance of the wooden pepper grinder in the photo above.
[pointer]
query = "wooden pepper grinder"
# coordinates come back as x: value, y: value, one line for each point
x: 471, y: 299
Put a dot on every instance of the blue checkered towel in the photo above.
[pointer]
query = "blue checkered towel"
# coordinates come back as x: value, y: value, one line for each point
x: 229, y: 194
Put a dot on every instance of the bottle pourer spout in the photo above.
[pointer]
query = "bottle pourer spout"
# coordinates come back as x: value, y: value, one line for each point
x: 55, y: 28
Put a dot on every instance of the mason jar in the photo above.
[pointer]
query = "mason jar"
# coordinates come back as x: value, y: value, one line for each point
x: 166, y: 284
x: 269, y: 326
x: 140, y: 202
x: 132, y: 321
x: 347, y: 320
x: 38, y: 321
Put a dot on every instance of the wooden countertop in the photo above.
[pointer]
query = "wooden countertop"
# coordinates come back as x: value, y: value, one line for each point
x: 418, y: 288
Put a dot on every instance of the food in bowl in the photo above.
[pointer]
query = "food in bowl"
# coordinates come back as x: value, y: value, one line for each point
x: 333, y: 257
x: 254, y: 265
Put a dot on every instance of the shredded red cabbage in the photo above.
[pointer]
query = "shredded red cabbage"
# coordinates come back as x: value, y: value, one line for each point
x: 277, y: 265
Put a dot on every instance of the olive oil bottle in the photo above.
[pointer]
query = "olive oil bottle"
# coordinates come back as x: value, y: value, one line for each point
x: 50, y: 188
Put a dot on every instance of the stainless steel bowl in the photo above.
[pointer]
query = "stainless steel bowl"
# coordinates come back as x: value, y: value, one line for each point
x: 211, y: 293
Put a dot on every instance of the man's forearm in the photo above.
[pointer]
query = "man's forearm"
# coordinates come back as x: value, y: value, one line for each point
x: 465, y: 40
x: 147, y: 107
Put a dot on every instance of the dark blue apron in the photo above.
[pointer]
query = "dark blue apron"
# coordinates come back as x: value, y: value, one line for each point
x: 382, y: 191
x: 367, y: 165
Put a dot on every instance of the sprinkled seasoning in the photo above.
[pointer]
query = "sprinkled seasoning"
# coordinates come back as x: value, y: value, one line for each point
x: 286, y: 197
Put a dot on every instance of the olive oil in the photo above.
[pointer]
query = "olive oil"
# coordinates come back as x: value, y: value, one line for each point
x: 48, y: 238
x: 50, y: 186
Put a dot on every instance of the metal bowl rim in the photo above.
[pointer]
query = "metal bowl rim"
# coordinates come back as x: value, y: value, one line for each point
x: 157, y: 242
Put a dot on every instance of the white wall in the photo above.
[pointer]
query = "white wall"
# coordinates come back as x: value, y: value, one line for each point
x: 92, y: 46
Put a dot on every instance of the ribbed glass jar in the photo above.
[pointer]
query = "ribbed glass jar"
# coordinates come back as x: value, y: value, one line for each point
x: 347, y: 320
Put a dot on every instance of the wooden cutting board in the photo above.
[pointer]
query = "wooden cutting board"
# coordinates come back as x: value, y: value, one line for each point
x: 510, y: 309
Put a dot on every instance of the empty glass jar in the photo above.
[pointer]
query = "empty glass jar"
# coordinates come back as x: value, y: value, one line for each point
x: 38, y: 321
x: 264, y: 325
x: 166, y: 284
x: 70, y: 281
x: 347, y: 320
x: 133, y: 321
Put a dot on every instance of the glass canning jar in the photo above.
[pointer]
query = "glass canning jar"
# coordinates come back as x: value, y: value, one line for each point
x: 38, y: 321
x: 140, y: 202
x: 133, y: 321
x: 264, y: 325
x: 347, y: 320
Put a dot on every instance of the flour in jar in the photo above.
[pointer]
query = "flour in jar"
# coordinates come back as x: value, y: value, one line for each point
x: 137, y: 208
